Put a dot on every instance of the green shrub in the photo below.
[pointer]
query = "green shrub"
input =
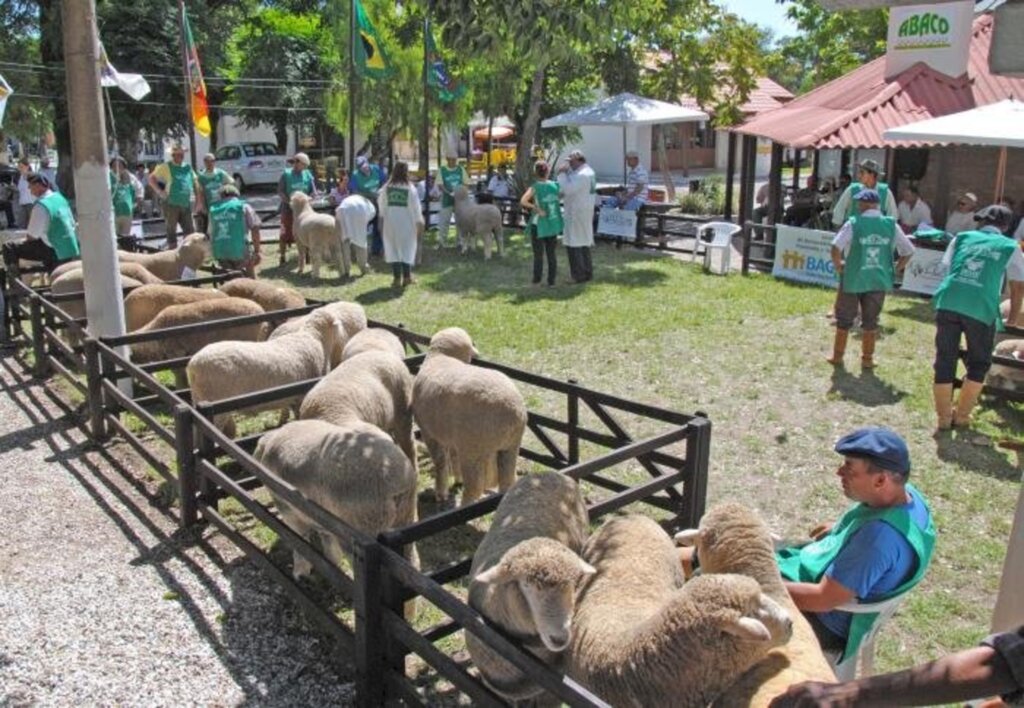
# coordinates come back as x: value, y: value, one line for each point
x: 708, y: 199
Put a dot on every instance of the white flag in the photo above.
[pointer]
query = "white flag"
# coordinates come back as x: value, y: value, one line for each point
x: 132, y: 84
x: 5, y: 91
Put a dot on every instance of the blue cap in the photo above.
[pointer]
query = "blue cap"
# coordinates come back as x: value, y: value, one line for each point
x: 868, y: 195
x: 879, y: 445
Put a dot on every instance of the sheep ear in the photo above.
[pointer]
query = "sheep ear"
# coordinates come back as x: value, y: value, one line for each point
x: 495, y: 575
x: 586, y: 568
x: 748, y: 628
x: 687, y: 537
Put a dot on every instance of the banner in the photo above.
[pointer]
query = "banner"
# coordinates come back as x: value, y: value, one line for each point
x: 938, y: 35
x: 5, y: 91
x: 617, y: 222
x: 194, y: 79
x: 924, y: 272
x: 371, y: 58
x: 804, y: 255
x: 132, y: 84
x: 444, y: 85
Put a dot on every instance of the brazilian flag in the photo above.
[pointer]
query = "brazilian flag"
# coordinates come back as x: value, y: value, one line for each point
x: 371, y: 58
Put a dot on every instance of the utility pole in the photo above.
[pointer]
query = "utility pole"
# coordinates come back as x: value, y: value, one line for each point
x: 425, y: 128
x: 103, y: 304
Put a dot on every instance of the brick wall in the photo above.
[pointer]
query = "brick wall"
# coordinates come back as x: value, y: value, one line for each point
x: 954, y: 170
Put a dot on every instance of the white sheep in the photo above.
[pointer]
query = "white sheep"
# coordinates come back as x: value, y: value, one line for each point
x: 191, y: 253
x: 643, y: 638
x: 72, y: 280
x: 373, y: 339
x: 354, y: 472
x: 471, y: 419
x: 733, y: 538
x: 353, y: 321
x: 1004, y: 312
x: 374, y: 387
x: 524, y: 577
x: 136, y: 271
x: 270, y: 297
x: 143, y: 304
x: 474, y: 220
x: 316, y: 235
x: 227, y: 369
x: 1007, y: 377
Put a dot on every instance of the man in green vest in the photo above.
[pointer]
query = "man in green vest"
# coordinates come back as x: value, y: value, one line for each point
x: 52, y: 236
x: 211, y: 179
x: 451, y: 177
x: 862, y: 254
x: 126, y: 193
x: 878, y: 549
x: 967, y: 303
x: 234, y: 232
x: 296, y: 178
x: 175, y: 183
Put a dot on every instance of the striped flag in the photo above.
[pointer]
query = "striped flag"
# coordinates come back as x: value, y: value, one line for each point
x: 194, y: 77
x: 5, y: 91
x: 132, y: 84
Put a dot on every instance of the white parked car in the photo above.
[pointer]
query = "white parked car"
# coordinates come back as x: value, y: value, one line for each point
x: 251, y: 163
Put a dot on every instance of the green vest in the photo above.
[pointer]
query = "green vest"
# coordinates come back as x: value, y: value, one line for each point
x: 807, y: 564
x: 211, y: 182
x: 61, y: 232
x: 123, y: 195
x: 883, y: 198
x: 545, y: 194
x: 367, y: 185
x: 227, y: 231
x: 302, y: 182
x: 451, y: 178
x: 397, y: 196
x: 180, y: 189
x: 869, y: 265
x: 975, y: 277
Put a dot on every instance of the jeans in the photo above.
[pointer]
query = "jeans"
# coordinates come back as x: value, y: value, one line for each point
x: 175, y: 216
x: 542, y: 246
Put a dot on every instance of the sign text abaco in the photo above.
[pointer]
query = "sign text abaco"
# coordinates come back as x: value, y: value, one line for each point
x: 938, y: 35
x: 931, y: 27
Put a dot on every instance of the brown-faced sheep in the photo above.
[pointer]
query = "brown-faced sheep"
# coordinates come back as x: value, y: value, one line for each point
x: 351, y: 315
x: 270, y: 297
x: 373, y: 339
x: 472, y: 419
x: 191, y: 253
x: 643, y: 638
x: 143, y: 304
x: 227, y: 369
x: 733, y: 538
x: 474, y: 220
x: 316, y: 235
x: 524, y: 576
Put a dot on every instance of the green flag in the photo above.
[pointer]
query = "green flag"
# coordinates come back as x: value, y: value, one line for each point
x: 371, y: 58
x: 447, y: 88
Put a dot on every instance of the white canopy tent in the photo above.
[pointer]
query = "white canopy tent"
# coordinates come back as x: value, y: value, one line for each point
x: 1000, y: 124
x: 997, y: 124
x: 626, y: 109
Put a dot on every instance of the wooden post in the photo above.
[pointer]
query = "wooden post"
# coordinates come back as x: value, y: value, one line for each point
x: 775, y: 185
x: 573, y: 419
x: 369, y: 635
x: 184, y: 445
x: 797, y: 155
x: 730, y: 175
x: 698, y: 453
x: 94, y: 384
x: 41, y: 367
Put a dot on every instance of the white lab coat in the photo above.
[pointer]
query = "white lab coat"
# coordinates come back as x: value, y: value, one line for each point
x: 401, y: 226
x: 578, y: 189
x: 354, y: 215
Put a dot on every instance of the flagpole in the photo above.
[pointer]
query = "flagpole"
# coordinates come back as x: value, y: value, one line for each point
x: 353, y: 37
x: 188, y: 86
x: 113, y: 125
x: 425, y: 132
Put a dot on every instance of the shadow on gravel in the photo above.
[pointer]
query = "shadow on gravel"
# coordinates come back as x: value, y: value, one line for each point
x: 864, y: 388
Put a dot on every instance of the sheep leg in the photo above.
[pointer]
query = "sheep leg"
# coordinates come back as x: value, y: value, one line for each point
x: 474, y: 479
x: 225, y: 422
x: 499, y: 234
x: 345, y: 259
x: 507, y: 468
x: 488, y: 242
x: 301, y: 567
x: 317, y: 256
x: 361, y: 259
x: 439, y: 456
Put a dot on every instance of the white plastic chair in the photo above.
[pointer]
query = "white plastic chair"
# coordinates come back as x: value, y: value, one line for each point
x: 865, y: 656
x: 717, y: 252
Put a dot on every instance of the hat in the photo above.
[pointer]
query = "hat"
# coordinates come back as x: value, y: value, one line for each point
x: 867, y: 195
x: 578, y: 155
x: 38, y: 178
x: 209, y: 156
x: 879, y: 445
x: 361, y: 161
x: 302, y: 157
x: 632, y: 153
x: 995, y: 214
x: 970, y: 196
x: 229, y: 190
x: 119, y: 158
x: 871, y: 166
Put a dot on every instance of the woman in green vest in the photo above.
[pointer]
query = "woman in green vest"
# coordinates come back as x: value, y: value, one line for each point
x: 296, y: 178
x: 452, y: 175
x: 126, y: 192
x: 542, y: 198
x: 211, y: 180
x: 967, y: 303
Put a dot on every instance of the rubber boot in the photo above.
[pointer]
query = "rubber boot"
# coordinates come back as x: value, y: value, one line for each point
x: 838, y: 347
x: 867, y: 349
x: 280, y: 253
x: 943, y: 394
x: 969, y: 394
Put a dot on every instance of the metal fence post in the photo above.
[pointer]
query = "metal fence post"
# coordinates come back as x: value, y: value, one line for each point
x: 369, y: 633
x: 695, y: 489
x: 41, y: 367
x: 184, y: 445
x: 573, y: 416
x: 94, y: 385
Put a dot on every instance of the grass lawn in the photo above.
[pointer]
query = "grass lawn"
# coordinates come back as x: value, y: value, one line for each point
x: 748, y: 352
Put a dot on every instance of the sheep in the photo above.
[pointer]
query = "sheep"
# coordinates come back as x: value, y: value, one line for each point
x: 270, y: 297
x: 471, y: 419
x: 641, y: 637
x: 227, y: 369
x: 136, y: 271
x: 474, y: 220
x: 315, y: 234
x: 143, y: 304
x: 72, y: 280
x: 374, y: 387
x: 354, y: 472
x: 1004, y: 312
x: 351, y: 315
x: 524, y: 576
x: 734, y: 539
x: 1007, y: 377
x: 373, y: 339
x: 191, y: 253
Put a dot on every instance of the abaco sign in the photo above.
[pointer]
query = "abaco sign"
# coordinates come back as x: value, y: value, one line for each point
x: 938, y: 35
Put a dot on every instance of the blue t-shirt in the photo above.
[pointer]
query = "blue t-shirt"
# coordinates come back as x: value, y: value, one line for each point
x: 875, y: 561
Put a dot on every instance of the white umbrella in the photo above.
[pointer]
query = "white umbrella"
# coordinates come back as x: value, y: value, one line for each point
x: 626, y: 109
x: 1000, y: 124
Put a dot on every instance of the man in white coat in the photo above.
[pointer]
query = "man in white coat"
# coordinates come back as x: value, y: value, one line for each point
x: 578, y: 185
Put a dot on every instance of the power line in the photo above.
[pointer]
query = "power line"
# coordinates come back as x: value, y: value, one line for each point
x: 224, y: 106
x: 37, y: 68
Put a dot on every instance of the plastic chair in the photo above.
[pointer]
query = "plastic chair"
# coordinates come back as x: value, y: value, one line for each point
x: 865, y: 656
x: 717, y: 251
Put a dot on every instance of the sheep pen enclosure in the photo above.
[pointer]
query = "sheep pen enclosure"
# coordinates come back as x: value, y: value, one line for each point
x: 622, y: 452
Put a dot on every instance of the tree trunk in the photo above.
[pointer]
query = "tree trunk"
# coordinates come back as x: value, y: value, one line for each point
x: 524, y: 149
x: 281, y: 136
x: 51, y: 52
x: 666, y: 172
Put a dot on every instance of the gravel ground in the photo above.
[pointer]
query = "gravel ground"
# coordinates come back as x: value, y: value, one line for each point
x: 104, y: 602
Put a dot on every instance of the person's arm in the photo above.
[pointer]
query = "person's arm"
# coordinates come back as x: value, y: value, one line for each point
x: 1015, y: 276
x: 947, y: 257
x: 973, y: 673
x: 822, y: 596
x: 38, y: 223
x: 157, y: 176
x: 526, y: 201
x: 841, y: 207
x: 904, y: 248
x: 839, y: 245
x: 200, y: 196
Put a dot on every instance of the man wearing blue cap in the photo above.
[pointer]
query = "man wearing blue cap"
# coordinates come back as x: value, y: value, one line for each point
x: 878, y: 549
x: 862, y: 254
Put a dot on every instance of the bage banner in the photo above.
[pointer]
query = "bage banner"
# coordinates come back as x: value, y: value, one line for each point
x: 804, y: 255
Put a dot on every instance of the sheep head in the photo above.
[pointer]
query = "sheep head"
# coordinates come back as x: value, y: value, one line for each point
x: 194, y: 250
x: 461, y: 193
x: 735, y: 605
x: 327, y: 327
x: 454, y: 342
x: 733, y: 538
x: 546, y: 573
x: 299, y: 202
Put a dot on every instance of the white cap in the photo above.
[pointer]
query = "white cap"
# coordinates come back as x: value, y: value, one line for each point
x: 632, y: 153
x: 303, y: 158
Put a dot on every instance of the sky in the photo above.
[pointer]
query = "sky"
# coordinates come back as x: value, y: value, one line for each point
x: 767, y: 13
